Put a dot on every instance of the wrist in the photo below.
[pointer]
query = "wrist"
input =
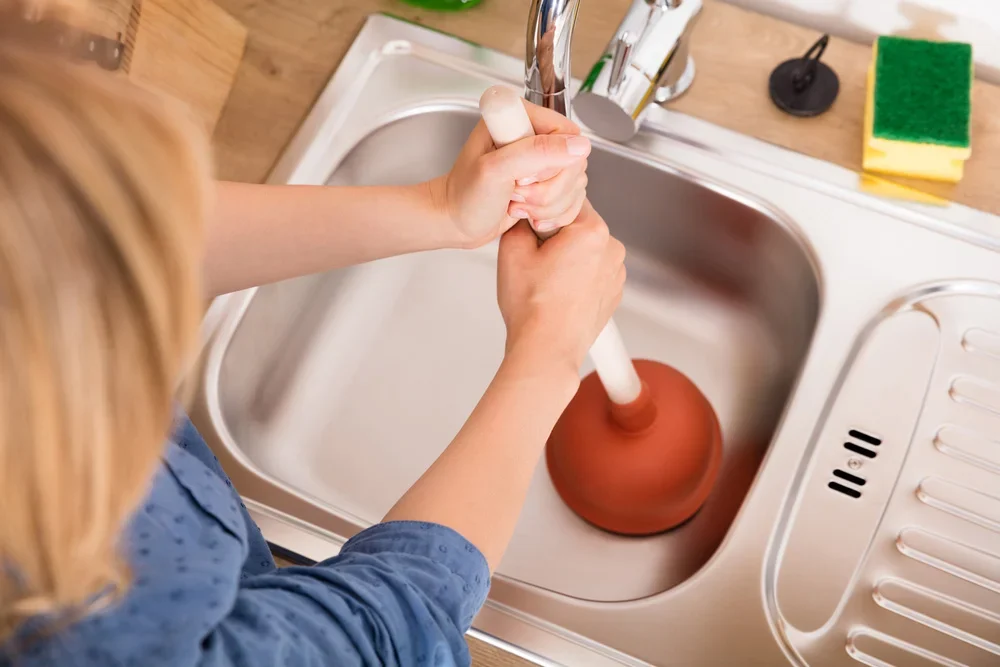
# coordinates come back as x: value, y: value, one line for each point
x: 438, y: 214
x: 557, y: 376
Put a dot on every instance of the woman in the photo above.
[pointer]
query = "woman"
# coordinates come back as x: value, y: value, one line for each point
x: 122, y: 540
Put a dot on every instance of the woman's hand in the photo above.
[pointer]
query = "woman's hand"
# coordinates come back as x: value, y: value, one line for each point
x: 542, y: 178
x: 556, y: 297
x: 265, y: 233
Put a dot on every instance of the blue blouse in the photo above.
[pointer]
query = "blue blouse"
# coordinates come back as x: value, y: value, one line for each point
x: 205, y: 589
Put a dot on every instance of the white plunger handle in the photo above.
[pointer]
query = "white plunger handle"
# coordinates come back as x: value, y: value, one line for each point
x: 507, y: 120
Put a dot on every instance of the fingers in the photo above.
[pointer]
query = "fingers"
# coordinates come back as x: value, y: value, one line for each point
x: 554, y: 203
x: 536, y: 156
x: 558, y: 186
x: 564, y: 219
x: 547, y: 121
x: 548, y: 224
x: 560, y: 216
x: 538, y: 178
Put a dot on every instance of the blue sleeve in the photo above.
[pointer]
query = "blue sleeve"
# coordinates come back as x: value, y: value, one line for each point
x: 399, y: 593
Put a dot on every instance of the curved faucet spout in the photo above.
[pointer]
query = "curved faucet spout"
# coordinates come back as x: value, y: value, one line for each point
x: 547, y: 71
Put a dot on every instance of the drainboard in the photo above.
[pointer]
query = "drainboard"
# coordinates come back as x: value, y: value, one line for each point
x: 920, y: 501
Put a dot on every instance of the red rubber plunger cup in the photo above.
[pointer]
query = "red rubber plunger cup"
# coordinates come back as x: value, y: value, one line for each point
x: 638, y: 449
x: 641, y: 468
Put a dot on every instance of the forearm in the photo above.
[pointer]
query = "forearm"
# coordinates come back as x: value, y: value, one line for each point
x: 263, y: 233
x: 478, y: 485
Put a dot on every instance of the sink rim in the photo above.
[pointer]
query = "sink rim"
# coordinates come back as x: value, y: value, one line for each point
x: 770, y: 215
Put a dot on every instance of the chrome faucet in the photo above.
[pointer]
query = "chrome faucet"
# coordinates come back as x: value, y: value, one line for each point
x: 646, y: 60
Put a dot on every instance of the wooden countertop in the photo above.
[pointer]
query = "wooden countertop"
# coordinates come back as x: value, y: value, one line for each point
x: 294, y: 47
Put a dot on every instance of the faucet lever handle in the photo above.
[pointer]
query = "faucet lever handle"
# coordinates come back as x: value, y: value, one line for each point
x: 620, y: 59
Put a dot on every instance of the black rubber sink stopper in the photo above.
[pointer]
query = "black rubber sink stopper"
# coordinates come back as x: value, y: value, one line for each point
x: 805, y: 86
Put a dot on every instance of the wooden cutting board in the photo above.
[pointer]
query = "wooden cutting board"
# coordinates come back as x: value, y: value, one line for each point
x: 190, y: 49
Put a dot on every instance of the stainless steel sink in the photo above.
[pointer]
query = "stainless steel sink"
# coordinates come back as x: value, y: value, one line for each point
x: 849, y: 344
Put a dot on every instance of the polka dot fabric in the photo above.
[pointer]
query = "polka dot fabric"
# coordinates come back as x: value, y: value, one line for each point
x: 205, y: 590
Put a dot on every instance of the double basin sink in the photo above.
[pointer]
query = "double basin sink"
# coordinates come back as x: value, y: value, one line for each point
x: 850, y: 346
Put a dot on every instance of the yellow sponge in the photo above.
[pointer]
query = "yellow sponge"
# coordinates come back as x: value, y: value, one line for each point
x: 918, y: 109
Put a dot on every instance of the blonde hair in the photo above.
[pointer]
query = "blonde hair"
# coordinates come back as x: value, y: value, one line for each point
x: 102, y: 197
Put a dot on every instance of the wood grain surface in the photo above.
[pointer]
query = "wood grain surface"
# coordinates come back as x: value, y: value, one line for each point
x: 190, y: 49
x: 731, y: 90
x: 295, y: 45
x: 109, y: 17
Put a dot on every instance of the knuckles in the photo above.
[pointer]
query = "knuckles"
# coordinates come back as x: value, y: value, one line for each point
x: 545, y: 144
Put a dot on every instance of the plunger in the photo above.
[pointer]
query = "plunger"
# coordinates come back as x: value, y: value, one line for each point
x: 638, y: 449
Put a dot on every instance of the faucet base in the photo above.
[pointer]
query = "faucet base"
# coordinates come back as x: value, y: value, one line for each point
x: 605, y: 116
x: 647, y: 60
x: 672, y: 92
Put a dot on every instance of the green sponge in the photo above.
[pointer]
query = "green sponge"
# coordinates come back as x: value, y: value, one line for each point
x: 923, y: 89
x: 918, y: 112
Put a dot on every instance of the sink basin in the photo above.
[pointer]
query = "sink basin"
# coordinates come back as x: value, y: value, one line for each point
x: 850, y: 346
x: 347, y: 386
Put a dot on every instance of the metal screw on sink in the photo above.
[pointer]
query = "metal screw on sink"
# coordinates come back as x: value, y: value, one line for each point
x: 855, y: 464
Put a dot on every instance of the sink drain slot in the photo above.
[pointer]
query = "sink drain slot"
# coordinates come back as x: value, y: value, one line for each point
x: 846, y: 490
x: 849, y: 486
x: 864, y: 437
x: 858, y: 449
x: 853, y: 479
x: 851, y: 483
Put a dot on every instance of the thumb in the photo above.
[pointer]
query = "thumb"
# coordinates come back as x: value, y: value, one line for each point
x: 535, y: 155
x: 518, y: 240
